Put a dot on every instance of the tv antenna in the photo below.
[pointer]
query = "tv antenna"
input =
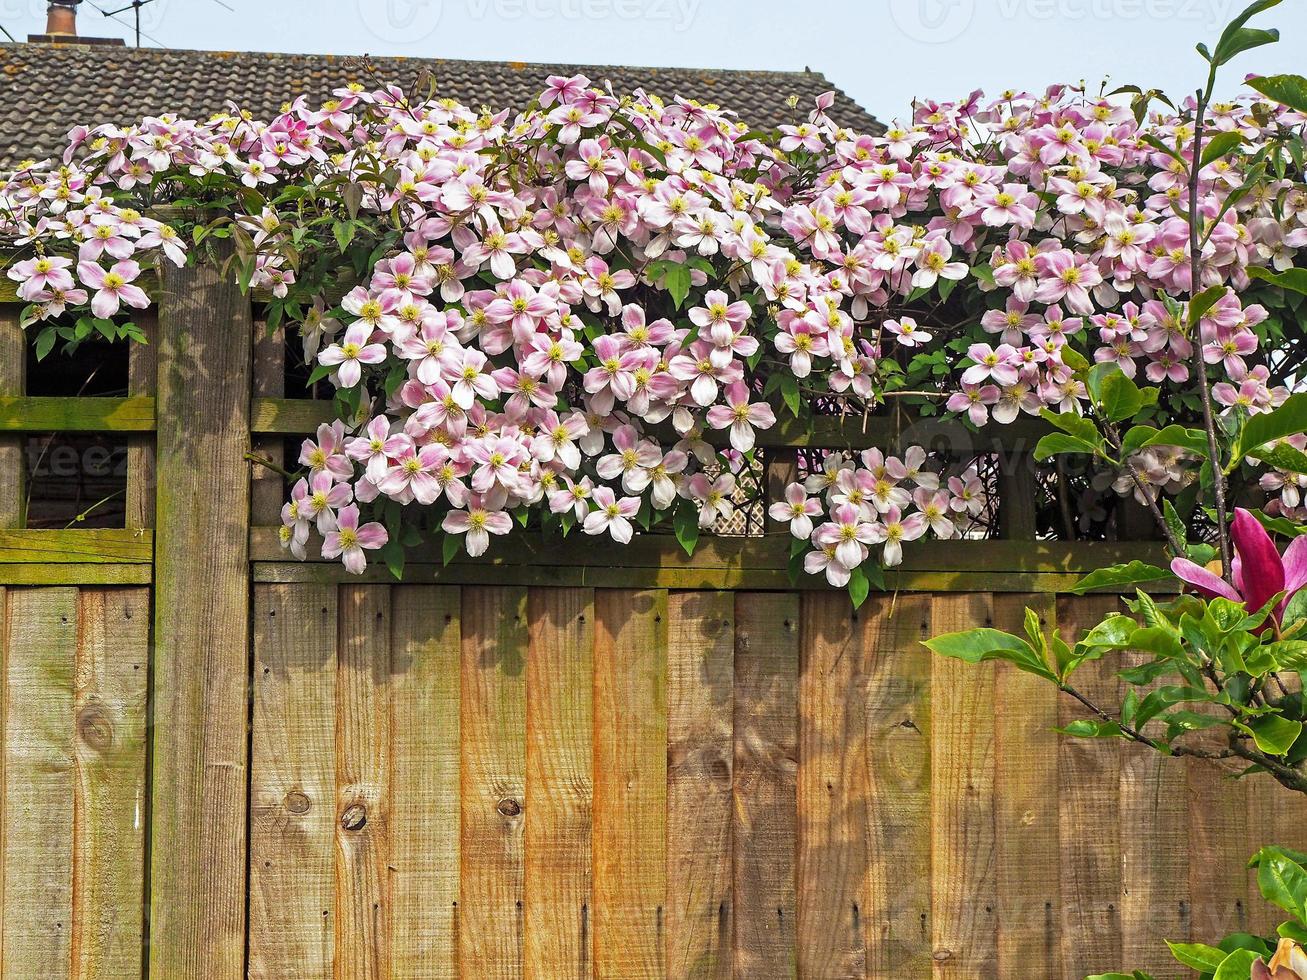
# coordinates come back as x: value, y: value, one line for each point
x: 135, y: 7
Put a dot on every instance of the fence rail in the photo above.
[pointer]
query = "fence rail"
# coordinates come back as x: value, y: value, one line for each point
x: 561, y: 759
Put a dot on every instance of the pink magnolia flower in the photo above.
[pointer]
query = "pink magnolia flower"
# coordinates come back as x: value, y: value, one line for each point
x: 349, y: 540
x: 1259, y: 572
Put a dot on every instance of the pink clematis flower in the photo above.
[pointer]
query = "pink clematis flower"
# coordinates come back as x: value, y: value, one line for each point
x: 478, y: 522
x: 113, y: 287
x: 349, y: 540
x: 1259, y: 570
x: 740, y: 416
x: 351, y: 353
x: 612, y: 515
x: 797, y: 508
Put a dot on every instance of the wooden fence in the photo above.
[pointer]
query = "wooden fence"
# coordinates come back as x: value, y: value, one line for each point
x: 568, y: 760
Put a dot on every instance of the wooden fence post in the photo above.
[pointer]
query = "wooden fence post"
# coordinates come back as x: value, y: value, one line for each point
x: 1016, y: 496
x: 13, y: 380
x: 201, y: 627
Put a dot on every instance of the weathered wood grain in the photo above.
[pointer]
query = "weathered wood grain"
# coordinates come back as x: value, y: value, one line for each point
x: 424, y: 782
x: 492, y: 791
x: 630, y: 775
x: 363, y: 739
x: 964, y: 845
x: 763, y: 832
x: 13, y: 381
x: 833, y: 790
x: 110, y: 679
x: 201, y: 628
x: 293, y: 783
x: 142, y: 381
x: 700, y: 654
x: 1025, y: 805
x: 39, y: 778
x: 1089, y: 811
x: 559, y: 784
x: 898, y: 736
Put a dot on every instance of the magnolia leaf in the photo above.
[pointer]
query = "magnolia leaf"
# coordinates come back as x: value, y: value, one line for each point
x: 1219, y: 146
x: 1287, y: 420
x: 1282, y: 880
x: 1289, y: 90
x: 1237, y: 966
x: 984, y: 644
x: 1293, y: 280
x: 1275, y: 734
x: 1197, y: 956
x: 1283, y: 457
x: 1204, y: 301
x: 1118, y: 575
x: 1091, y: 728
x: 1057, y: 443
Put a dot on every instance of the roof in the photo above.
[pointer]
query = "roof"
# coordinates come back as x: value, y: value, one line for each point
x: 46, y: 89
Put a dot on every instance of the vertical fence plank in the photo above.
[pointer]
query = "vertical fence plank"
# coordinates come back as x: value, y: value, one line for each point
x: 766, y: 762
x: 201, y: 627
x: 1089, y: 812
x: 1026, y: 814
x: 1222, y: 892
x: 559, y: 783
x: 898, y: 777
x: 13, y: 372
x: 363, y: 783
x: 424, y: 778
x: 832, y: 789
x: 266, y: 490
x: 1155, y: 901
x: 964, y: 920
x: 293, y: 783
x: 142, y: 373
x: 493, y: 781
x: 41, y: 628
x: 109, y: 793
x: 700, y: 653
x: 630, y: 715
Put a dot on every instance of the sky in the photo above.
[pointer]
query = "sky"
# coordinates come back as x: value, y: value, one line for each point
x: 881, y: 52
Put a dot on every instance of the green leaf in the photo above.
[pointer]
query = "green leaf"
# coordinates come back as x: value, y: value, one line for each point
x: 859, y: 587
x: 1157, y: 144
x: 1072, y: 423
x: 790, y: 393
x: 1237, y: 966
x: 1197, y: 956
x: 686, y: 526
x: 1118, y: 575
x: 1282, y: 880
x: 1219, y: 145
x: 1287, y: 420
x: 678, y: 283
x: 1244, y: 40
x: 45, y: 342
x: 1293, y: 280
x: 1057, y: 443
x: 984, y: 644
x: 449, y: 547
x: 344, y: 233
x: 1290, y: 90
x: 1204, y: 301
x: 1275, y: 734
x: 1283, y: 457
x: 1122, y: 398
x: 1235, y: 36
x: 1091, y: 728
